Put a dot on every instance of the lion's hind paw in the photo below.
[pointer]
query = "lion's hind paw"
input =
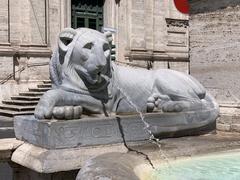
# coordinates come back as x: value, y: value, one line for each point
x: 155, y: 101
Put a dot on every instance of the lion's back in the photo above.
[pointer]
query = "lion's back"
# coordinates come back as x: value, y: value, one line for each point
x: 175, y: 82
x: 135, y: 77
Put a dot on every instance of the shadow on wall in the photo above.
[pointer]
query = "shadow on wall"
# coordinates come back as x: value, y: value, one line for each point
x: 204, y: 6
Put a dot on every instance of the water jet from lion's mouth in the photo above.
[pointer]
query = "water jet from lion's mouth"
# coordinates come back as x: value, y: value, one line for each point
x: 96, y: 77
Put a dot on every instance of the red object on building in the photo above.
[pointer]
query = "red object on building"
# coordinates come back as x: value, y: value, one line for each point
x: 182, y: 6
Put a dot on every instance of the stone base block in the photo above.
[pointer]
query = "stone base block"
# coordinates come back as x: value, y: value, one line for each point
x: 54, y: 134
x: 49, y: 161
x: 7, y: 146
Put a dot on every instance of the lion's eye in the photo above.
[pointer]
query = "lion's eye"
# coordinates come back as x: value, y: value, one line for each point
x: 106, y: 47
x: 88, y: 46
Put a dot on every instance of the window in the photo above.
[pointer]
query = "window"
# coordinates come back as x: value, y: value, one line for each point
x: 87, y: 13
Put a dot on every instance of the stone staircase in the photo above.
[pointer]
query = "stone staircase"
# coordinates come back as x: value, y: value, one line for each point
x: 22, y: 104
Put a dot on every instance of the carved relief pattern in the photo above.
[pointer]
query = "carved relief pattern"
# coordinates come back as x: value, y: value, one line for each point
x: 177, y: 32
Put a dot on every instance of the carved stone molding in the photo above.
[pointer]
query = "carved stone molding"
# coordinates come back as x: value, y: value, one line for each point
x: 177, y: 22
x: 177, y: 30
x: 144, y: 55
x: 25, y: 51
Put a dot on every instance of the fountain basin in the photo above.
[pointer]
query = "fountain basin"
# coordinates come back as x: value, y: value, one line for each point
x: 58, y: 160
x: 217, y: 166
x: 213, y: 166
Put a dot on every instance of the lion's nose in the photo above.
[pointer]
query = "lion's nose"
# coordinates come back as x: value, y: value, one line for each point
x: 100, y: 63
x: 94, y: 69
x: 100, y: 67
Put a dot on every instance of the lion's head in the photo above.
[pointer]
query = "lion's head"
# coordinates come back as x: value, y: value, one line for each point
x: 85, y: 54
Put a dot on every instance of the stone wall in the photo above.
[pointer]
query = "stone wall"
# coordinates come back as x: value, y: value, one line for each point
x: 150, y: 33
x: 28, y: 32
x: 214, y: 53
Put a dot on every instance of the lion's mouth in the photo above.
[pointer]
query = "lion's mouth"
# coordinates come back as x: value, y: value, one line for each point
x: 92, y: 78
x: 95, y: 78
x: 98, y: 78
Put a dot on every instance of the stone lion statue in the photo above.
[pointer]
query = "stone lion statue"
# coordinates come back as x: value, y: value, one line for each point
x: 86, y: 81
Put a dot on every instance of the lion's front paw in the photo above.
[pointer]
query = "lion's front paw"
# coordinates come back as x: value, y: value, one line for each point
x: 42, y: 111
x: 67, y: 112
x: 45, y: 106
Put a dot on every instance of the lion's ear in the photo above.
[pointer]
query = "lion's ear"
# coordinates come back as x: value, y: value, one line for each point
x: 65, y: 38
x: 109, y: 37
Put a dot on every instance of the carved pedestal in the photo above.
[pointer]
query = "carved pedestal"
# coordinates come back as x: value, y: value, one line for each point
x: 56, y: 134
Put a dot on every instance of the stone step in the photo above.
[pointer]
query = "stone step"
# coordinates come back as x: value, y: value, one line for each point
x: 7, y: 132
x: 6, y: 121
x: 20, y: 102
x: 47, y: 81
x: 26, y: 98
x: 44, y: 86
x: 31, y: 93
x: 16, y: 108
x: 39, y: 89
x: 9, y: 113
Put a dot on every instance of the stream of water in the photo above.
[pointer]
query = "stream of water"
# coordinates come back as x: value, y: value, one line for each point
x: 147, y: 126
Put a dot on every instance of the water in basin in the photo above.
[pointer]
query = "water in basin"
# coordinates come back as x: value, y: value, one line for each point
x: 223, y: 166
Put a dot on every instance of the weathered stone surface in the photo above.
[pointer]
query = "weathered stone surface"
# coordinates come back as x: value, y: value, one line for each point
x: 160, y: 65
x: 49, y: 161
x: 55, y: 134
x: 7, y: 146
x: 172, y: 148
x: 235, y: 128
x: 214, y: 51
x: 5, y: 62
x: 229, y: 118
x: 180, y: 66
x: 13, y: 88
x: 223, y: 127
x: 147, y: 30
x: 105, y: 167
x: 4, y: 21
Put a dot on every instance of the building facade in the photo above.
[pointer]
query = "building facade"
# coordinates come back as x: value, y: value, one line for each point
x: 214, y: 55
x: 148, y: 34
